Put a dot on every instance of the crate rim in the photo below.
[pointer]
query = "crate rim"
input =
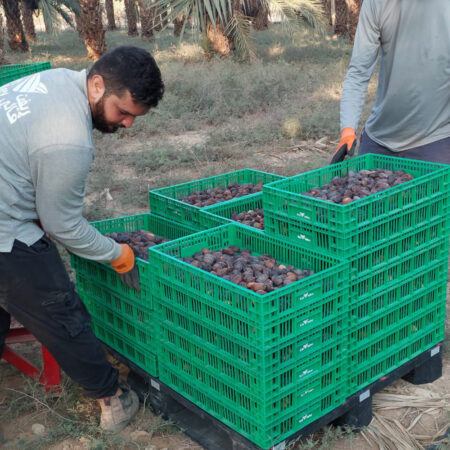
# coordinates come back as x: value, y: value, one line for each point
x: 247, y: 169
x: 441, y: 168
x: 337, y: 262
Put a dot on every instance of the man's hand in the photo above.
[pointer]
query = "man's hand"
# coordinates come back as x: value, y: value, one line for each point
x: 125, y: 265
x: 347, y: 145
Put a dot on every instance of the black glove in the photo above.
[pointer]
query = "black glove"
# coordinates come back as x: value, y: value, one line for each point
x: 131, y: 278
x: 342, y: 152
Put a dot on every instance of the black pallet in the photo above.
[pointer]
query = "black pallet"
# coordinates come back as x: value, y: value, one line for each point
x: 212, y: 434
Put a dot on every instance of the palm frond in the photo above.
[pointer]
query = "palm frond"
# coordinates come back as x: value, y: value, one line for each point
x: 50, y: 16
x: 298, y: 12
x: 65, y: 15
x: 239, y: 29
x: 52, y: 10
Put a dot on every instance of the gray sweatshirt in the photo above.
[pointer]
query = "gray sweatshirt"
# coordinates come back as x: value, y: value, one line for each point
x: 46, y: 152
x: 412, y: 105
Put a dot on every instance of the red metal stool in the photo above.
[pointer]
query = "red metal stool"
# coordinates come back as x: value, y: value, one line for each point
x: 50, y: 376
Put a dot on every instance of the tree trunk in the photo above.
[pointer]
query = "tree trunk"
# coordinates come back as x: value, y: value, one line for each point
x: 109, y: 6
x: 146, y: 15
x: 28, y: 23
x: 259, y: 12
x: 333, y: 15
x: 17, y: 40
x: 130, y: 11
x: 178, y: 24
x: 3, y: 60
x: 262, y: 18
x: 158, y: 18
x: 354, y: 7
x: 92, y: 29
x: 79, y: 25
x: 341, y: 18
x: 218, y: 42
x: 347, y: 14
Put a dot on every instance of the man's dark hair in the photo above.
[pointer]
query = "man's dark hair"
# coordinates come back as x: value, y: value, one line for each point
x: 133, y: 69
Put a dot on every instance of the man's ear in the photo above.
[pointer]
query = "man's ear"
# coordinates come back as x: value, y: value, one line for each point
x: 96, y: 88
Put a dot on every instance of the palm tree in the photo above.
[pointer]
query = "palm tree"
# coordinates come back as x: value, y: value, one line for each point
x: 54, y: 10
x: 178, y: 24
x: 3, y: 60
x: 146, y: 14
x: 343, y: 16
x: 93, y: 32
x: 226, y: 27
x: 109, y: 6
x: 28, y: 23
x: 259, y: 13
x: 17, y: 40
x: 130, y: 11
x: 354, y: 7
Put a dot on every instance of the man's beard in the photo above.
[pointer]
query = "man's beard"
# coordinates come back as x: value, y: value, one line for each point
x: 98, y: 118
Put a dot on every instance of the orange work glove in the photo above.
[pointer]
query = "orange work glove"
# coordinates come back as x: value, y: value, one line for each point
x: 347, y: 145
x: 125, y: 266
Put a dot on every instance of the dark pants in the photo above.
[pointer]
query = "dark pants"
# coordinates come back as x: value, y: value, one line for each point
x: 37, y: 291
x: 438, y: 151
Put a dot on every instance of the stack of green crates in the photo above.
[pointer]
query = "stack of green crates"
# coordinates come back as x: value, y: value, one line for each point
x: 265, y: 365
x: 397, y: 244
x: 10, y: 73
x: 121, y: 317
x: 165, y: 201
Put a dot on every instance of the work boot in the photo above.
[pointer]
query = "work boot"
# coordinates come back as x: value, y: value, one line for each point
x: 117, y: 411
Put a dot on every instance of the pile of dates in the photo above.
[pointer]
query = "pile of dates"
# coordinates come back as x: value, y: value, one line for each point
x: 217, y: 195
x: 253, y: 218
x: 356, y: 185
x: 260, y: 274
x: 139, y: 241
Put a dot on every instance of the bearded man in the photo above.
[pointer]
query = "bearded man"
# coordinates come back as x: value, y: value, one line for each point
x: 47, y: 148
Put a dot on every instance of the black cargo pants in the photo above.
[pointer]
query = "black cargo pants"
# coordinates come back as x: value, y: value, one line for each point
x: 36, y: 290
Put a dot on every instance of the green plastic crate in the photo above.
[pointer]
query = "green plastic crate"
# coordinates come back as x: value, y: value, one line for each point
x: 165, y: 201
x: 375, y: 342
x: 242, y: 313
x: 252, y: 353
x: 395, y: 348
x: 398, y: 269
x: 261, y: 433
x: 104, y: 275
x: 127, y: 312
x: 226, y: 210
x: 346, y: 230
x: 125, y: 346
x: 13, y: 72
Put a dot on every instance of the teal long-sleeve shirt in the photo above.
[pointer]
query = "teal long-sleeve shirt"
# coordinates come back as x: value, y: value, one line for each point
x: 412, y: 105
x: 46, y: 151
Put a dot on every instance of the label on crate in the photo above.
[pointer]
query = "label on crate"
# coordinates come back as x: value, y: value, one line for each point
x: 155, y: 384
x: 306, y: 321
x: 305, y: 417
x: 364, y: 395
x: 307, y: 392
x: 306, y: 372
x: 305, y: 347
x: 303, y: 215
x: 435, y: 351
x: 302, y: 237
x: 306, y: 295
